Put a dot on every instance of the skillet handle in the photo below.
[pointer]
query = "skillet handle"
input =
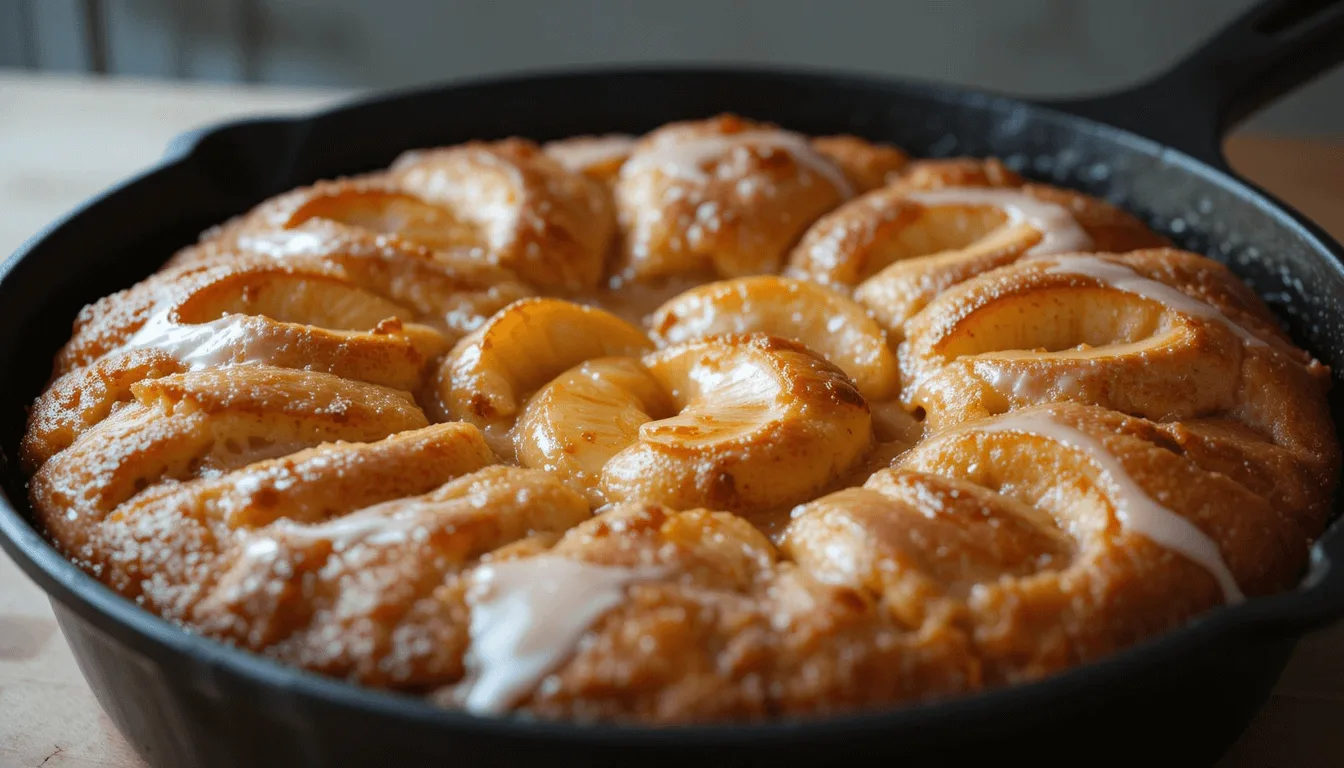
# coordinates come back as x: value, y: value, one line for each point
x: 1275, y: 47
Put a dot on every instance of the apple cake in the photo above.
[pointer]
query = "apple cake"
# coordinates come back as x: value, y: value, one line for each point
x: 722, y: 422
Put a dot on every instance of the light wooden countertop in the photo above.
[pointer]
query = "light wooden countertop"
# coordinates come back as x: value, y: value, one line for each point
x: 62, y: 139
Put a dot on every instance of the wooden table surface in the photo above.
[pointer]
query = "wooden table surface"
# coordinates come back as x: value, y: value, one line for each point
x: 63, y: 139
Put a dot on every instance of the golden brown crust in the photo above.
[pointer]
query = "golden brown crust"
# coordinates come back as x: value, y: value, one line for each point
x: 945, y: 452
x: 598, y: 157
x: 708, y: 645
x: 550, y: 226
x: 867, y: 165
x: 722, y: 197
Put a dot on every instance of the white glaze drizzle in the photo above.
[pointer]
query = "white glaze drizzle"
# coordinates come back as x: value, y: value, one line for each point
x: 1123, y: 278
x: 1136, y: 510
x: 228, y: 340
x: 1060, y: 232
x: 685, y: 156
x: 580, y: 154
x: 1024, y: 382
x: 370, y: 526
x: 527, y: 616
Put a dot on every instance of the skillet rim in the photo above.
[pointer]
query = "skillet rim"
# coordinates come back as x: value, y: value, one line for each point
x: 1318, y: 599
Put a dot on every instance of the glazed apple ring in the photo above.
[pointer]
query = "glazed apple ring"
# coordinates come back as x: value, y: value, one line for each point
x: 229, y: 314
x: 582, y: 418
x: 919, y: 564
x: 373, y: 204
x: 248, y: 310
x: 901, y: 245
x: 741, y: 423
x: 1053, y: 522
x: 723, y: 197
x: 1161, y: 334
x: 489, y: 374
x: 450, y: 292
x: 824, y: 320
x: 1148, y: 490
x: 162, y: 546
x: 504, y: 203
x: 550, y: 226
x: 202, y: 422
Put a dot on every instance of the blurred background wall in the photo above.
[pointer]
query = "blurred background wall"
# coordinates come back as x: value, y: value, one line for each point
x: 1026, y: 47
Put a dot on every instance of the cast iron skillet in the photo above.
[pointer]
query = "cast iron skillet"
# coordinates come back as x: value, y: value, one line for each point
x: 185, y: 701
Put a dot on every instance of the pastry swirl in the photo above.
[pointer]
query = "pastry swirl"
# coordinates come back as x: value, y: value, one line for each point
x: 722, y: 422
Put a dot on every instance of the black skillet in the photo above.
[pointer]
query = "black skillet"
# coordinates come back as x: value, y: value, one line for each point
x: 185, y: 701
